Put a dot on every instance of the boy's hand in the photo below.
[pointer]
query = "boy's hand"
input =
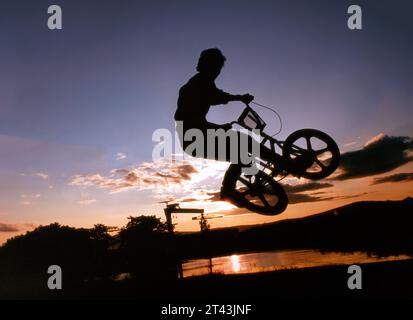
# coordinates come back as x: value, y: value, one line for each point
x: 247, y: 98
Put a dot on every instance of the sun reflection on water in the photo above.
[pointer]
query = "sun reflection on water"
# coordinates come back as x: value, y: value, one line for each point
x: 236, y: 266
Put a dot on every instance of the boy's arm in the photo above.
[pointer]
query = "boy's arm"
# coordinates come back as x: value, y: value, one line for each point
x: 221, y: 97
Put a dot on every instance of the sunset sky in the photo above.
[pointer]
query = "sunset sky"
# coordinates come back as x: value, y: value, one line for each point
x: 78, y: 106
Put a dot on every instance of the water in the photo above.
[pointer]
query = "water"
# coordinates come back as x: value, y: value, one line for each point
x: 275, y: 260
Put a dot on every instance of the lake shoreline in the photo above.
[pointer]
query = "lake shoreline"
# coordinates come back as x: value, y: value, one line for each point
x: 274, y: 260
x: 381, y: 280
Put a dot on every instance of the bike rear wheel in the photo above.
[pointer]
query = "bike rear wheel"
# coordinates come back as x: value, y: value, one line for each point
x: 258, y: 193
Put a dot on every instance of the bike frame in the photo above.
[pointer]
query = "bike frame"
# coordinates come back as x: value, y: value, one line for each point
x: 248, y: 112
x: 261, y: 125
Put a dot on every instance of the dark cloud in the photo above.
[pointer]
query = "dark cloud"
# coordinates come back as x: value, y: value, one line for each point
x: 190, y: 199
x: 294, y: 198
x: 310, y: 186
x: 352, y: 195
x: 319, y: 192
x: 381, y: 154
x: 7, y: 227
x: 298, y: 193
x: 398, y: 177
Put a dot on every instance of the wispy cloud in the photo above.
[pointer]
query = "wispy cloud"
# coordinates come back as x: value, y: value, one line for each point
x: 27, y: 199
x: 42, y: 175
x: 350, y: 144
x: 296, y: 198
x: 86, y: 201
x: 398, y: 177
x: 375, y: 139
x: 30, y: 196
x: 147, y: 175
x: 120, y: 156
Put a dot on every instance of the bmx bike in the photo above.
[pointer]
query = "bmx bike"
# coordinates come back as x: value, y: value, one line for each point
x: 307, y: 153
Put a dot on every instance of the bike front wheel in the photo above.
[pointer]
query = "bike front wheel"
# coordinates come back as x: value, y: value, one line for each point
x: 311, y: 154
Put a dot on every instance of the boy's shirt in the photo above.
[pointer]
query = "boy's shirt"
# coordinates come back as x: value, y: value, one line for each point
x: 195, y: 99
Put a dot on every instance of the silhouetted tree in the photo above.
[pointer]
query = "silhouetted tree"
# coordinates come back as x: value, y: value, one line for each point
x: 103, y: 257
x: 147, y: 248
x: 203, y: 224
x: 26, y: 258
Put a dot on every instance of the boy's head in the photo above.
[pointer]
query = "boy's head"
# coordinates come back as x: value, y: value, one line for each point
x: 211, y: 62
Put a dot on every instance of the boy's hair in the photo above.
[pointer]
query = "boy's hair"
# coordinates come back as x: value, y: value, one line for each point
x: 210, y: 59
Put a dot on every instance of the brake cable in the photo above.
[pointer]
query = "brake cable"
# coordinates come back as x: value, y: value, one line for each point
x: 271, y: 109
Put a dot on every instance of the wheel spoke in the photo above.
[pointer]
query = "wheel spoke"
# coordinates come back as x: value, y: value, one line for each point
x: 259, y: 193
x: 308, y: 139
x: 263, y: 183
x: 297, y: 148
x: 246, y: 182
x: 320, y: 163
x: 263, y: 200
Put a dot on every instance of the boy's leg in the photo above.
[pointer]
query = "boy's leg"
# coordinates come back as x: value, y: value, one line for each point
x: 236, y: 155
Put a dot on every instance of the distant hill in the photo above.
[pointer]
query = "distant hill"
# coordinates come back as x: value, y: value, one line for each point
x: 375, y: 227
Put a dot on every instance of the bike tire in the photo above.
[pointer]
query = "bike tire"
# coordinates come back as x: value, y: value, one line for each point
x: 331, y: 145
